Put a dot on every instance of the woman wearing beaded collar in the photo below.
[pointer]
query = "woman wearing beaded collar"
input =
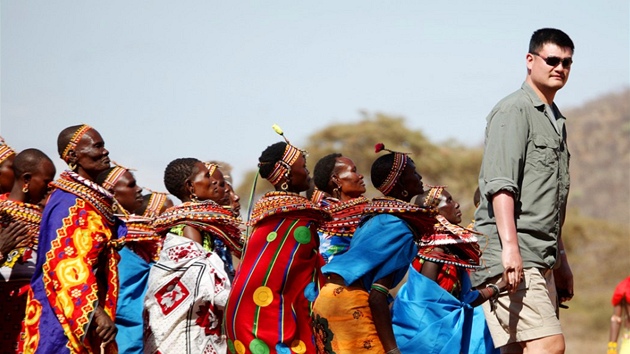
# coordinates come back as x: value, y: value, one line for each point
x: 72, y: 302
x: 20, y: 216
x: 189, y: 285
x: 269, y: 306
x: 138, y: 249
x: 351, y: 313
x: 439, y: 287
x: 337, y: 176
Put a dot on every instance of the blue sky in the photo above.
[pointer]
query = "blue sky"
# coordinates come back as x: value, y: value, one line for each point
x: 207, y: 79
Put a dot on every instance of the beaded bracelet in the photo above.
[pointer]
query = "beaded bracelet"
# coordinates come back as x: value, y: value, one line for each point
x: 381, y: 289
x: 495, y: 290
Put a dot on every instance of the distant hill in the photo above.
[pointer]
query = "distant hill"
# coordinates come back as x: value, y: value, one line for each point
x: 599, y: 142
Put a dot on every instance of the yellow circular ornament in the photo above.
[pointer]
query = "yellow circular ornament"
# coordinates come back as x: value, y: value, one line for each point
x: 297, y: 346
x: 239, y: 347
x: 263, y: 296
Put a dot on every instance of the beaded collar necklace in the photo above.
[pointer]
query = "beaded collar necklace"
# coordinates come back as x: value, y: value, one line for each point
x: 461, y: 247
x: 422, y: 219
x: 97, y: 196
x: 207, y: 216
x: 345, y: 217
x: 25, y: 213
x: 279, y: 202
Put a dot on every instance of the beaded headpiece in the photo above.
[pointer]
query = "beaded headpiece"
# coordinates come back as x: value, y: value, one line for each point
x: 283, y: 166
x: 5, y: 150
x: 432, y: 200
x: 76, y: 137
x: 155, y: 204
x: 211, y: 167
x: 113, y: 176
x: 318, y: 196
x: 400, y: 162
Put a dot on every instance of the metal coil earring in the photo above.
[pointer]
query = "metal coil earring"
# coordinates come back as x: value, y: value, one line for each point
x: 404, y: 193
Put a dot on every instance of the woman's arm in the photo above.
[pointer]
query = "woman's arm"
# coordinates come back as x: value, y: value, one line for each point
x: 615, y: 324
x: 381, y: 313
x: 193, y: 234
x: 431, y: 269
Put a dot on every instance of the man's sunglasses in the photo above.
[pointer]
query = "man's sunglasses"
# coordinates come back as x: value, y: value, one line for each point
x: 554, y: 61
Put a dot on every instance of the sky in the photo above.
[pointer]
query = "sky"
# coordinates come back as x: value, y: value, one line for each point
x: 207, y: 79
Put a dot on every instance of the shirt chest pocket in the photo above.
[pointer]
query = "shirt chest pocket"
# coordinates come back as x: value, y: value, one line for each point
x: 544, y: 153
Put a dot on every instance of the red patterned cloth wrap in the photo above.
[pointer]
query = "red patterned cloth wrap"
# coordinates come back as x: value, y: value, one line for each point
x: 204, y: 216
x: 269, y: 309
x: 76, y: 270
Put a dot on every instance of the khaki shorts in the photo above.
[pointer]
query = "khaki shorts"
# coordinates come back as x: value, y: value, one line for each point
x: 529, y: 313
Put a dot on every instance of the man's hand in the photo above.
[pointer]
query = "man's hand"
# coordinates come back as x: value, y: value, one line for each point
x: 503, y: 205
x: 513, y: 267
x: 103, y: 325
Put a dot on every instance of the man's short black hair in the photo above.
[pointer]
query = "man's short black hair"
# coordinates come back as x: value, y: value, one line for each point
x: 549, y: 35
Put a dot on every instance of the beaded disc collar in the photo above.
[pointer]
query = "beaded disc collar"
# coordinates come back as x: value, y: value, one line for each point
x: 461, y: 247
x: 279, y: 202
x: 207, y: 216
x: 422, y: 219
x: 97, y: 196
x: 345, y: 216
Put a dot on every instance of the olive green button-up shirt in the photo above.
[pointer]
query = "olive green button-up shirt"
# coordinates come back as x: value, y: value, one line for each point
x: 525, y: 153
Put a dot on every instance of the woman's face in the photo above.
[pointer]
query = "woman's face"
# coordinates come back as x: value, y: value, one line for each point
x: 127, y: 192
x: 234, y: 199
x: 449, y: 208
x: 206, y: 186
x: 300, y: 177
x: 348, y: 179
x: 91, y: 155
x: 6, y: 175
x: 410, y: 180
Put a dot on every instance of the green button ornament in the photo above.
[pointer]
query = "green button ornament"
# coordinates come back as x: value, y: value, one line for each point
x: 302, y: 235
x: 231, y: 346
x: 257, y: 346
x: 271, y: 236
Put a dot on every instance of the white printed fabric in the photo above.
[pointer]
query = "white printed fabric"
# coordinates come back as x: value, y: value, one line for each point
x: 186, y: 296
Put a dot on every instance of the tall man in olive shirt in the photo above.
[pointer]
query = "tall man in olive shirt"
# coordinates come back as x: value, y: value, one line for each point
x: 524, y: 184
